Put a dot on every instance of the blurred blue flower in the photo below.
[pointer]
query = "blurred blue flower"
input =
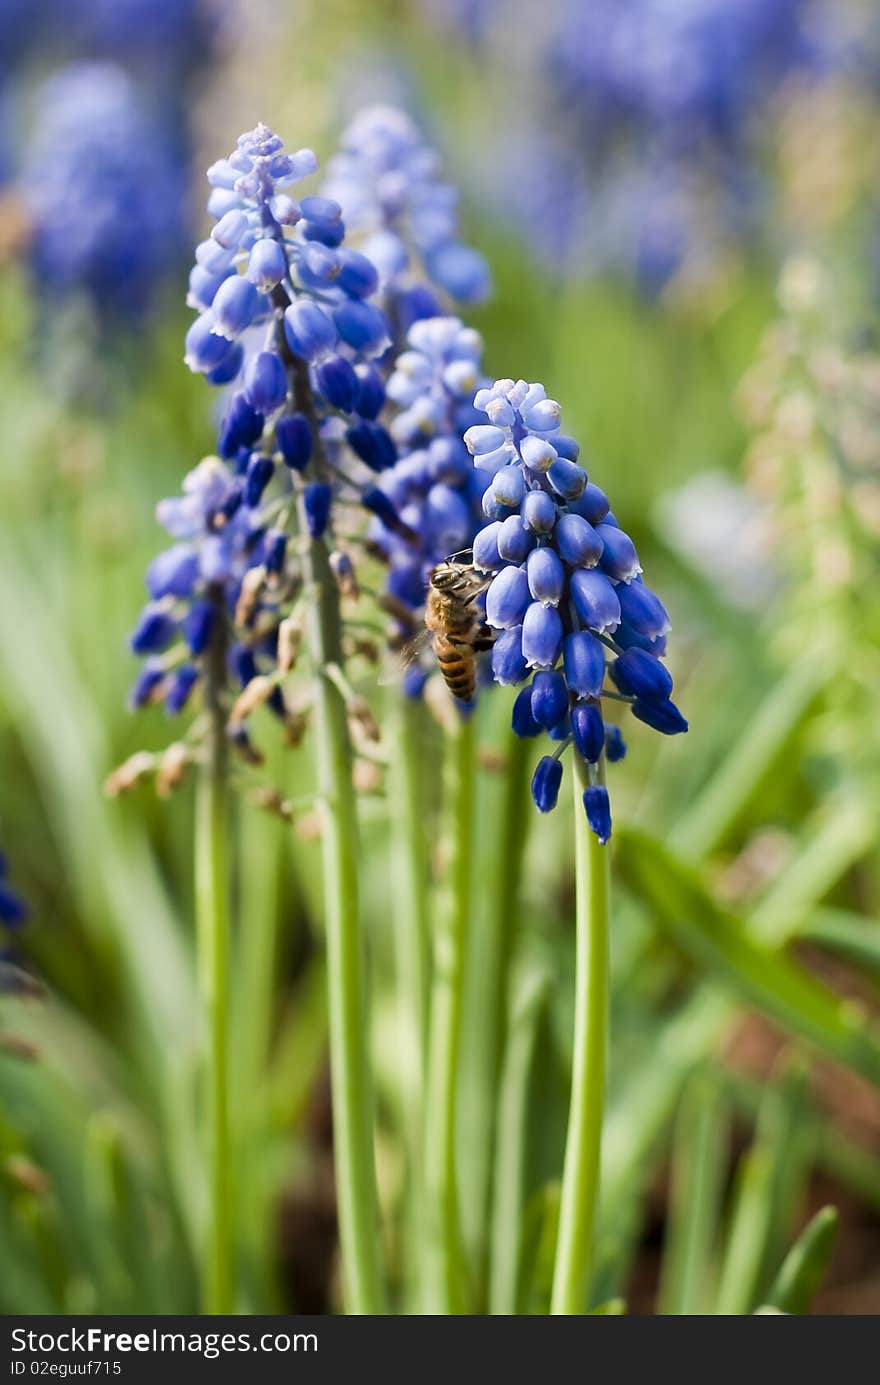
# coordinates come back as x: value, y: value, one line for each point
x: 13, y: 910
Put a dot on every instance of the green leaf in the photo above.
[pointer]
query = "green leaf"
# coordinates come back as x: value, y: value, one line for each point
x: 699, y: 1168
x: 805, y: 1264
x: 720, y: 945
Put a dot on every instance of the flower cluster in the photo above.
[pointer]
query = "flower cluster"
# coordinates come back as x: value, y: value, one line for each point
x: 433, y: 487
x: 105, y: 224
x: 566, y: 593
x: 387, y: 180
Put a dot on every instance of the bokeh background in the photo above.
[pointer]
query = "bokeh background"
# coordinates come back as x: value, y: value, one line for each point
x: 678, y: 201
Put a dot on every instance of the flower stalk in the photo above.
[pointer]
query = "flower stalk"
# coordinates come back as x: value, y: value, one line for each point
x: 580, y: 1178
x: 213, y: 941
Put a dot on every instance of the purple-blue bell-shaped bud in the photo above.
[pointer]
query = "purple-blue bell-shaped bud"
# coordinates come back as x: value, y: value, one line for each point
x: 546, y: 576
x: 203, y: 287
x: 619, y: 558
x: 483, y: 439
x: 545, y: 783
x: 241, y: 427
x: 229, y: 367
x: 509, y: 487
x: 373, y: 444
x: 522, y: 721
x: 267, y: 264
x: 173, y: 573
x: 338, y: 383
x: 317, y: 496
x: 362, y: 326
x: 641, y: 675
x: 182, y: 683
x: 358, y: 276
x: 615, y: 745
x: 204, y: 350
x: 485, y: 548
x: 508, y: 664
x: 234, y: 306
x: 542, y: 635
x: 381, y: 505
x: 371, y: 392
x: 592, y: 504
x: 595, y: 599
x: 567, y: 478
x: 588, y: 730
x: 514, y: 541
x: 274, y: 551
x: 584, y: 661
x: 230, y: 229
x: 460, y: 270
x: 145, y: 685
x: 507, y: 598
x: 293, y: 437
x: 549, y: 699
x: 662, y: 716
x: 537, y: 453
x: 154, y: 631
x: 598, y: 811
x: 266, y: 382
x: 642, y: 610
x: 539, y: 512
x: 566, y: 446
x: 260, y: 471
x: 577, y: 542
x: 544, y: 416
x: 310, y: 333
x: 197, y: 625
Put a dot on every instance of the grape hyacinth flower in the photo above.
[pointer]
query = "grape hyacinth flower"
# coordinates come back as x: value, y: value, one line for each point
x: 395, y: 202
x: 105, y: 225
x: 575, y: 621
x: 433, y: 487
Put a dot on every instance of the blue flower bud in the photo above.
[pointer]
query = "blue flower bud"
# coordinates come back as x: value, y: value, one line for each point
x: 414, y: 680
x: 309, y: 331
x: 461, y: 271
x: 197, y: 625
x: 508, y: 664
x: 507, y: 598
x: 182, y: 683
x: 145, y: 685
x: 619, y: 558
x: 509, y: 487
x: 267, y: 264
x: 662, y: 716
x: 642, y: 610
x: 371, y: 392
x: 358, y: 275
x: 577, y: 542
x: 482, y: 439
x: 584, y: 659
x: 243, y: 663
x: 486, y: 555
x: 537, y: 453
x: 544, y: 416
x: 588, y: 730
x: 319, y: 266
x: 546, y: 576
x: 260, y: 471
x: 173, y: 573
x: 213, y: 257
x: 615, y: 745
x: 522, y: 721
x: 230, y: 229
x: 229, y: 367
x: 595, y: 599
x: 373, y: 444
x: 203, y: 287
x: 266, y: 382
x: 545, y: 783
x: 234, y: 306
x: 317, y: 496
x: 204, y: 350
x: 492, y: 508
x: 539, y: 512
x: 338, y: 383
x: 275, y: 549
x: 591, y: 504
x: 381, y: 505
x: 641, y: 675
x: 567, y: 447
x: 154, y: 631
x: 542, y: 635
x: 567, y: 478
x: 598, y: 811
x: 321, y: 210
x: 293, y: 438
x: 363, y: 326
x: 514, y: 542
x: 241, y: 427
x: 549, y: 699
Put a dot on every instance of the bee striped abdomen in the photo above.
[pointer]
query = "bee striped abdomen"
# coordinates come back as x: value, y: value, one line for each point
x: 458, y: 666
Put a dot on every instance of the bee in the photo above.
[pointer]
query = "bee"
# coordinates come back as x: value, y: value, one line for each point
x: 457, y: 627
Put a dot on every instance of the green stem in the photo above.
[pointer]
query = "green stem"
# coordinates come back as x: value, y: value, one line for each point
x: 349, y: 1043
x: 212, y: 928
x: 580, y: 1178
x: 409, y: 873
x: 446, y: 1270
